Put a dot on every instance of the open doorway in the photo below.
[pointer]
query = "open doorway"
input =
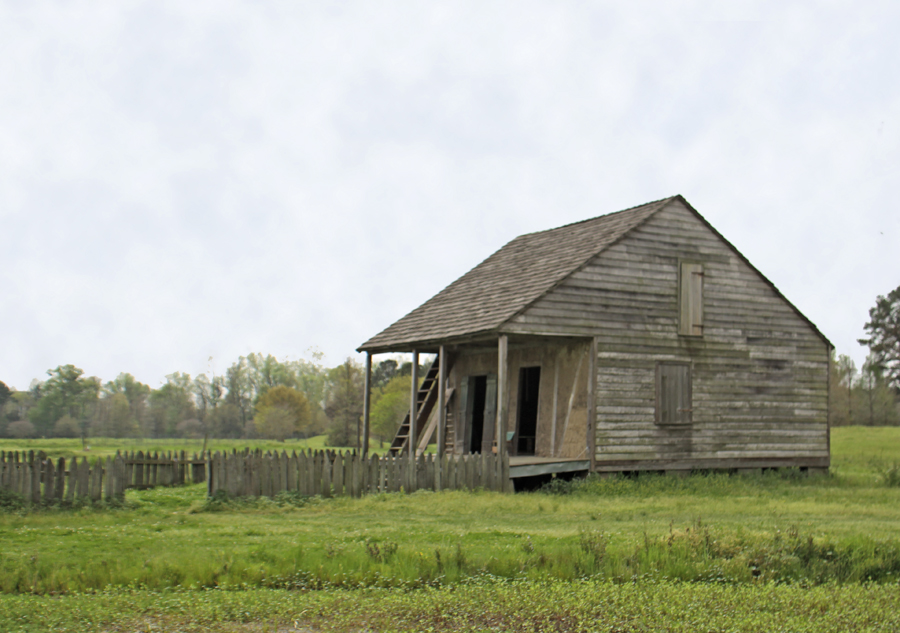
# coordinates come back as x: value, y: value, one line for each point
x: 478, y: 387
x: 526, y: 425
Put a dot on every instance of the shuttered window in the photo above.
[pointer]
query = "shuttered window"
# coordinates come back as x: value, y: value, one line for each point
x: 673, y: 393
x: 690, y: 291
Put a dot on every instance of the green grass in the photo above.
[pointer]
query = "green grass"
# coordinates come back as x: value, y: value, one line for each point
x: 727, y: 537
x: 483, y: 605
x: 863, y: 453
x: 105, y: 446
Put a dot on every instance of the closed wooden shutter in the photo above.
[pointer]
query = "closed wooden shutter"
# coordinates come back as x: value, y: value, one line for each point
x: 673, y: 393
x: 691, y: 299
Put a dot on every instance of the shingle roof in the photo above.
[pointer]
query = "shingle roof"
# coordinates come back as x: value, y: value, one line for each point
x: 509, y: 280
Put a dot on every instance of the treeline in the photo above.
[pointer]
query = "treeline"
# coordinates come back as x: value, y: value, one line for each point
x: 863, y: 397
x: 257, y: 397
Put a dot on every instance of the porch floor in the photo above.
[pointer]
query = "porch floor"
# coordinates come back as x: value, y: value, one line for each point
x: 529, y: 466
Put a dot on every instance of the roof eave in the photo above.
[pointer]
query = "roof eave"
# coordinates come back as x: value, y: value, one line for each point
x: 758, y: 272
x: 430, y: 345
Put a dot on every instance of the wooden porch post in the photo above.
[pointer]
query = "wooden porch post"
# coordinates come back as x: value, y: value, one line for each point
x: 442, y: 414
x: 367, y: 402
x: 413, y: 414
x: 502, y: 390
x: 592, y: 406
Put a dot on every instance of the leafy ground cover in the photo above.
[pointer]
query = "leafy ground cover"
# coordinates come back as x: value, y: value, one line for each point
x: 729, y: 536
x: 481, y: 605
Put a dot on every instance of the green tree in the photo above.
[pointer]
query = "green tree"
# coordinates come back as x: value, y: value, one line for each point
x: 344, y: 403
x: 170, y: 405
x: 137, y: 394
x: 860, y: 398
x: 226, y: 420
x: 883, y: 340
x: 114, y: 418
x: 66, y: 426
x: 66, y: 392
x: 209, y: 392
x: 239, y: 389
x: 312, y: 379
x: 280, y: 412
x: 265, y: 372
x: 389, y: 406
x: 5, y: 394
x: 383, y: 372
x: 842, y: 389
x: 878, y: 402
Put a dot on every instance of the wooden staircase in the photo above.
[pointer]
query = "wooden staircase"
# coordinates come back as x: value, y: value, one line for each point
x: 426, y: 399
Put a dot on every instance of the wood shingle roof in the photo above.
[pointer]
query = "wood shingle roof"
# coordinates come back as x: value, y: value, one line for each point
x: 508, y: 281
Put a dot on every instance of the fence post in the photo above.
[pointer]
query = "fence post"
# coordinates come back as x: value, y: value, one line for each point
x: 36, y: 476
x: 26, y: 481
x: 208, y: 475
x: 312, y: 481
x: 84, y: 479
x: 97, y: 480
x: 49, y: 481
x: 110, y: 478
x: 338, y: 479
x: 71, y: 476
x: 59, y: 483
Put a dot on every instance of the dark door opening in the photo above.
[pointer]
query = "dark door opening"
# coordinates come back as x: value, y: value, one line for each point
x: 526, y: 429
x: 478, y: 387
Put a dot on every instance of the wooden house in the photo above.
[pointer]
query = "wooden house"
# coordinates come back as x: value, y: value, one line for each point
x: 638, y: 340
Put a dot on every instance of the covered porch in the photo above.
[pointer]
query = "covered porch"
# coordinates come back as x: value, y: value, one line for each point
x: 526, y: 398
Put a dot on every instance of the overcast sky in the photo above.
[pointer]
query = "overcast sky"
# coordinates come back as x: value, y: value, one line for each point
x: 182, y: 181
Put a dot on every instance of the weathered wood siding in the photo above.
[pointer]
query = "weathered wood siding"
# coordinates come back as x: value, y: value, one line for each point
x: 562, y: 407
x: 759, y: 371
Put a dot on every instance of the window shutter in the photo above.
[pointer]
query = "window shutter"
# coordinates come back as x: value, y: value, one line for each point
x: 673, y: 394
x: 691, y: 299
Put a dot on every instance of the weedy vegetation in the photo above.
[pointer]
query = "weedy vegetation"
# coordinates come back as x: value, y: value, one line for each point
x: 644, y: 553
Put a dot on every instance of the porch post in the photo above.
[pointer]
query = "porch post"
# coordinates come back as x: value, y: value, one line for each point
x: 592, y: 406
x: 413, y: 413
x: 502, y: 389
x: 367, y: 402
x: 442, y: 415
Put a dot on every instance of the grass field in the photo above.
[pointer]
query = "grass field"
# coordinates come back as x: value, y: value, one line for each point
x: 105, y: 446
x: 716, y: 538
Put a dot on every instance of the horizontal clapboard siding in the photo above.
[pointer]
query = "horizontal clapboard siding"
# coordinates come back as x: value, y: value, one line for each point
x: 759, y: 372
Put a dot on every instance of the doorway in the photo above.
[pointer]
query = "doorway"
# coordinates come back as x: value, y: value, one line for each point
x: 478, y: 386
x: 526, y: 425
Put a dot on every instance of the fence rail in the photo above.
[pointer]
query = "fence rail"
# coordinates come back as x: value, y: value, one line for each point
x: 331, y: 473
x: 41, y: 480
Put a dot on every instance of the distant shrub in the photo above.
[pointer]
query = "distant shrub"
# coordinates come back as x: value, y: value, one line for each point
x: 192, y: 429
x: 21, y: 429
x: 66, y: 426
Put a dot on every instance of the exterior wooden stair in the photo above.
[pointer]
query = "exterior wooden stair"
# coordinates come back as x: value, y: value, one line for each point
x: 426, y: 398
x: 425, y: 438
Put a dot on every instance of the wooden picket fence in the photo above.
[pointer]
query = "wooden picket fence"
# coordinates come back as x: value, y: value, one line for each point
x: 335, y: 473
x: 41, y: 480
x: 164, y: 469
x: 247, y: 473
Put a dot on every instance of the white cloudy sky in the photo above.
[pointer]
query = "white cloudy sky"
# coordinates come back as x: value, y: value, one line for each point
x: 186, y: 180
